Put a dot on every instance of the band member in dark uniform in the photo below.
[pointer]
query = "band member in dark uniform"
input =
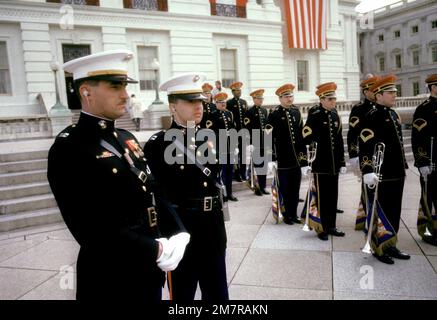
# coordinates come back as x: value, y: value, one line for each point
x: 256, y: 120
x: 238, y: 107
x: 191, y: 184
x: 324, y: 127
x: 208, y: 106
x: 383, y: 124
x: 356, y: 120
x: 106, y: 193
x: 285, y: 124
x: 224, y: 121
x: 425, y: 128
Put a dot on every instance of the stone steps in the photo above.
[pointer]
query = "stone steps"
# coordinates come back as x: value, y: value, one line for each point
x: 7, y: 179
x: 18, y: 166
x: 24, y: 190
x: 27, y: 219
x: 30, y: 203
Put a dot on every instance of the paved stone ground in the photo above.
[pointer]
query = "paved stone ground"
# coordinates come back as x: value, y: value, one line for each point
x: 264, y: 260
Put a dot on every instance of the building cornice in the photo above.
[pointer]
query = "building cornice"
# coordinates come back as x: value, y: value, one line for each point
x: 21, y: 11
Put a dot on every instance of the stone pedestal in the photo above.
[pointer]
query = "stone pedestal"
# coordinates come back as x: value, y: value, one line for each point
x: 152, y: 116
x: 60, y: 119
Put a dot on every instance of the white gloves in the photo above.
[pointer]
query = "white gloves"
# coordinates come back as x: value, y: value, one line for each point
x: 251, y: 148
x: 370, y: 179
x: 274, y: 165
x: 236, y: 151
x: 305, y: 170
x: 343, y: 170
x: 424, y: 171
x: 172, y: 251
x: 353, y: 162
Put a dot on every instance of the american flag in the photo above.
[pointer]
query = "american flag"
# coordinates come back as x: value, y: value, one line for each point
x: 306, y: 23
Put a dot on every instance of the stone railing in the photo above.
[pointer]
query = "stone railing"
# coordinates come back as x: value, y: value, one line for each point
x: 27, y: 127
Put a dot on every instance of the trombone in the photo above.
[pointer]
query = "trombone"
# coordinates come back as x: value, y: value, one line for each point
x: 311, y: 156
x: 425, y: 182
x: 378, y: 159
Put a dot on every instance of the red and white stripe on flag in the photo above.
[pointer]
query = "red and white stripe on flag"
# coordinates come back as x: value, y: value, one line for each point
x: 306, y: 23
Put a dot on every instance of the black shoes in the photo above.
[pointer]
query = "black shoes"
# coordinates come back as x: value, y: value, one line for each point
x: 258, y: 192
x: 340, y: 211
x: 396, y: 253
x: 301, y: 200
x: 430, y: 240
x: 296, y: 220
x: 323, y: 236
x: 232, y: 198
x: 336, y: 232
x: 288, y: 221
x: 292, y: 221
x: 263, y: 191
x: 384, y: 258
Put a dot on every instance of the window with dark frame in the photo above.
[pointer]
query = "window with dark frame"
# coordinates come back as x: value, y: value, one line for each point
x: 415, y: 55
x: 228, y: 66
x: 5, y: 76
x: 397, y: 33
x: 146, y: 54
x: 149, y: 5
x: 77, y: 2
x: 415, y: 29
x: 398, y: 61
x: 416, y: 89
x: 302, y: 75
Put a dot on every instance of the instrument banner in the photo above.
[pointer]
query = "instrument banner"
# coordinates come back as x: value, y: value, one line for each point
x: 277, y: 200
x: 383, y: 233
x: 314, y: 214
x: 426, y: 219
x: 360, y: 222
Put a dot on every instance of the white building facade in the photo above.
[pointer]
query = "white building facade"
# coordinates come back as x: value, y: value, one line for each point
x: 183, y: 35
x: 402, y: 39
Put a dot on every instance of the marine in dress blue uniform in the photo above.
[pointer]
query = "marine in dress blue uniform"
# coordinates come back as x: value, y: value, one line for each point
x: 105, y: 191
x: 193, y: 190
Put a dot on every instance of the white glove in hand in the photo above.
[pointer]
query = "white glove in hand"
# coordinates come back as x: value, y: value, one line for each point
x: 305, y: 170
x: 178, y: 243
x: 251, y: 148
x: 343, y: 170
x: 370, y: 179
x: 166, y: 249
x: 274, y: 165
x: 424, y: 171
x: 236, y: 151
x: 353, y: 162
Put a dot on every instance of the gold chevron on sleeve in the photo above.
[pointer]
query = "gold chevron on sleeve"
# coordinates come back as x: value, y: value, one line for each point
x: 246, y: 121
x: 366, y: 135
x: 354, y: 121
x: 419, y: 124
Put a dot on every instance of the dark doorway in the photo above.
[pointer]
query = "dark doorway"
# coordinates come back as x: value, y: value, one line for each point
x: 70, y: 52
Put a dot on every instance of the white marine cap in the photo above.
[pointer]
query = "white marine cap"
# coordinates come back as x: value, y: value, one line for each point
x: 187, y: 86
x: 108, y: 65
